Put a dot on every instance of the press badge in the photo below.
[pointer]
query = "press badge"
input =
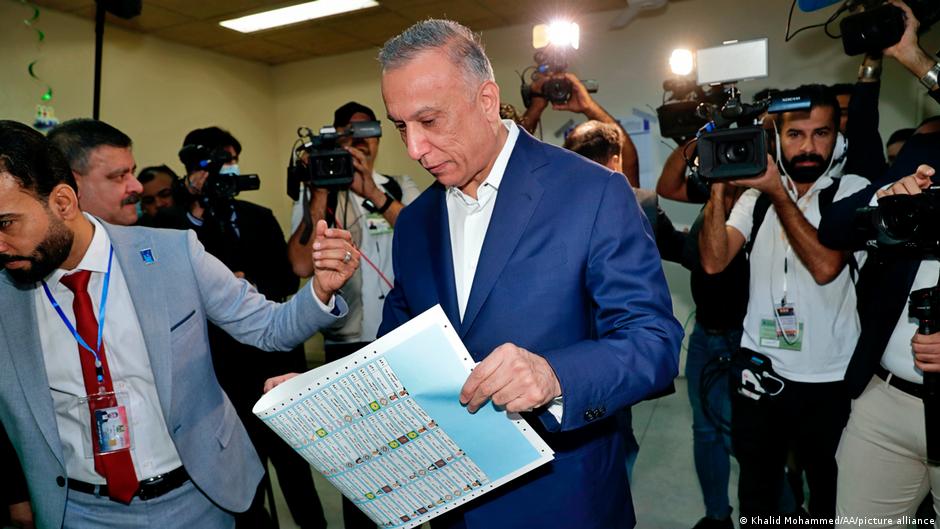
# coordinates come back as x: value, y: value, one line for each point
x: 784, y: 331
x: 378, y: 225
x: 109, y: 423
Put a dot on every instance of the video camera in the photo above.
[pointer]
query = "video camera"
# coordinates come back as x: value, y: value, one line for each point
x: 732, y: 143
x: 553, y: 44
x: 879, y: 25
x: 904, y: 224
x: 218, y: 187
x: 321, y: 161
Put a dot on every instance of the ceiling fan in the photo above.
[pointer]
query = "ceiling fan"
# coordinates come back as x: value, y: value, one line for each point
x: 634, y: 7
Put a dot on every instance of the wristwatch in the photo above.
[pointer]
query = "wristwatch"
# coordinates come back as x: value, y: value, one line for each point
x: 929, y: 80
x: 372, y: 208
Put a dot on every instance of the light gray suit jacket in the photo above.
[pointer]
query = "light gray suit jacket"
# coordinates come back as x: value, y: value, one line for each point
x: 173, y: 297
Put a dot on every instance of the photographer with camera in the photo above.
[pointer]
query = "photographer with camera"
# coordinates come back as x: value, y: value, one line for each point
x: 368, y: 209
x: 249, y: 241
x: 788, y: 388
x: 581, y: 102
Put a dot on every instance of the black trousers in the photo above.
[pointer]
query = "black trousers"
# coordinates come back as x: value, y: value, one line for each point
x: 353, y: 518
x: 241, y: 371
x: 807, y: 417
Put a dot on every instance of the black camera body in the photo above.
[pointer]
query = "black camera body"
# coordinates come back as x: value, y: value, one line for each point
x: 548, y: 61
x: 687, y: 107
x: 905, y: 224
x: 881, y: 25
x: 218, y: 187
x: 324, y: 162
x: 732, y: 154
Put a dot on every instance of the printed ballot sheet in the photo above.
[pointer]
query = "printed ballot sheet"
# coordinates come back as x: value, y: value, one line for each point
x: 386, y: 427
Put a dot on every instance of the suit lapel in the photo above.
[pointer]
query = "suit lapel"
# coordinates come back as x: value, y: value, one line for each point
x: 441, y: 256
x: 22, y: 334
x: 519, y: 194
x: 147, y: 286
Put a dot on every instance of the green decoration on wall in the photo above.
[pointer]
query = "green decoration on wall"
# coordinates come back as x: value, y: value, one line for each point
x: 45, y: 114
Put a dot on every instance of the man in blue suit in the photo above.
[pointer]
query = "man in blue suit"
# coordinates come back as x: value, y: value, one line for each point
x: 546, y: 266
x: 131, y: 430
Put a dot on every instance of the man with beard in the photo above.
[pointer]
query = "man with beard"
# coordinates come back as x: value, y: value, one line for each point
x: 103, y: 166
x: 123, y: 423
x: 801, y: 323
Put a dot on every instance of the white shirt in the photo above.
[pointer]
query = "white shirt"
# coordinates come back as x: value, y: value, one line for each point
x: 468, y: 218
x: 898, y: 357
x: 153, y: 451
x: 827, y: 312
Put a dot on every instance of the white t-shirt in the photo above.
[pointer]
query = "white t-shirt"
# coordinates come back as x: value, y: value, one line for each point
x: 376, y: 245
x: 830, y: 326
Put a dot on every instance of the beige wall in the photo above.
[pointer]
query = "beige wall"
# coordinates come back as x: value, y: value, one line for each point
x: 153, y: 90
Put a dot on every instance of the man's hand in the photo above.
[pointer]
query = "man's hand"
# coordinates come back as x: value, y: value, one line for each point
x: 195, y: 180
x: 335, y: 260
x: 769, y: 182
x: 580, y: 100
x: 274, y: 382
x: 927, y: 352
x: 363, y: 184
x: 513, y: 378
x: 21, y: 515
x: 907, y: 47
x: 910, y: 185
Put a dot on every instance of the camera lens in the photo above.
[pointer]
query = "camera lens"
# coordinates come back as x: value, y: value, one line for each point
x: 734, y: 152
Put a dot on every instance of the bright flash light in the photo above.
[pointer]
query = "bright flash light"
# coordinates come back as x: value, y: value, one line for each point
x: 681, y: 62
x: 559, y: 33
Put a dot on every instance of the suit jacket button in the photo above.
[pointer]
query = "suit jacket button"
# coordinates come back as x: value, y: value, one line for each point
x: 60, y: 481
x: 601, y: 411
x: 589, y: 415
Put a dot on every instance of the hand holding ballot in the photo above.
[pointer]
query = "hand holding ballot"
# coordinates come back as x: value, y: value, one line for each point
x: 513, y: 378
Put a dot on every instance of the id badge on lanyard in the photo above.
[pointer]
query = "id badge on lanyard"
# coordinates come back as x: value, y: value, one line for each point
x: 785, y: 330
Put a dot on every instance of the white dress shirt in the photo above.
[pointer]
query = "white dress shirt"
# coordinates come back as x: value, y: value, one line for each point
x: 468, y: 219
x: 152, y: 449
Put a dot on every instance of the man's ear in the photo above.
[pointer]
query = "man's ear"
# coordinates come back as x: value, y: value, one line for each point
x: 489, y: 98
x: 63, y: 202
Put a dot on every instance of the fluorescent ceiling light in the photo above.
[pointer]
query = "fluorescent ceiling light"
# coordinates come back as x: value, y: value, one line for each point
x: 295, y: 14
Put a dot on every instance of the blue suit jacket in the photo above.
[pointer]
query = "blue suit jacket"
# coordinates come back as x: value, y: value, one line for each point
x: 568, y: 270
x: 173, y: 298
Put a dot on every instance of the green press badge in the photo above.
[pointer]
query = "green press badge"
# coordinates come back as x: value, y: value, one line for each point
x: 378, y: 225
x: 785, y: 332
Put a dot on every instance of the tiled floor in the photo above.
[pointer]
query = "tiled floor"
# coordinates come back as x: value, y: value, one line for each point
x: 665, y: 490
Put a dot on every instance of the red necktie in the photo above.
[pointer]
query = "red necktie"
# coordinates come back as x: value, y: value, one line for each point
x: 116, y: 467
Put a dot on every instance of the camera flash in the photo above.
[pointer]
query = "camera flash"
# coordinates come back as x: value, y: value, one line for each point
x: 559, y: 33
x: 681, y: 61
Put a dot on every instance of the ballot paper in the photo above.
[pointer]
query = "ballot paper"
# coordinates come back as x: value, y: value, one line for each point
x: 385, y: 426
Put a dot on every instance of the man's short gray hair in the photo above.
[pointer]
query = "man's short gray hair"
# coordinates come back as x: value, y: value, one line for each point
x: 459, y: 42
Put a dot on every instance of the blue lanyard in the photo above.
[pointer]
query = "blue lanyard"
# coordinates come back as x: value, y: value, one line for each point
x: 99, y: 370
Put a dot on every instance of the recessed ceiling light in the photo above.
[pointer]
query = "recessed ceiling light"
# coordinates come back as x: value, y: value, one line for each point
x: 295, y: 14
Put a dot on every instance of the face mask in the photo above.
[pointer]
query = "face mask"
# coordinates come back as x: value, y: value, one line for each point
x: 229, y: 169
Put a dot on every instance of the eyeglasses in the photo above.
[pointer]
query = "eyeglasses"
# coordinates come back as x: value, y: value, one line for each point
x: 148, y: 200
